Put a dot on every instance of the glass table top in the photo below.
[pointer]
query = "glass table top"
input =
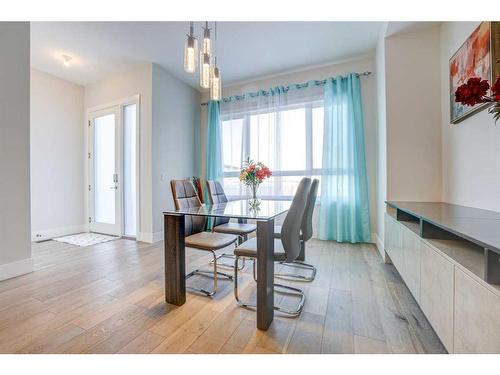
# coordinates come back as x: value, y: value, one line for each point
x: 267, y: 209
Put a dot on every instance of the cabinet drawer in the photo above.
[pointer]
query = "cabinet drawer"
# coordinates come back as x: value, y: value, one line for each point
x: 477, y: 316
x: 436, y: 293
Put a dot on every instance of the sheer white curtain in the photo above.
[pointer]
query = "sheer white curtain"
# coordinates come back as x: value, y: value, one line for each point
x: 275, y: 127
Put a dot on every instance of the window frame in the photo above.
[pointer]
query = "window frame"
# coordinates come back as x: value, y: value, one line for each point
x: 308, y: 106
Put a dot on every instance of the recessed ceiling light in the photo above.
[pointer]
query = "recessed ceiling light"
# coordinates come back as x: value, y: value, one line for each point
x: 66, y: 60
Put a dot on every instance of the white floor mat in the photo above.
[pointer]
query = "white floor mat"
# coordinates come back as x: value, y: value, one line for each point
x: 86, y: 239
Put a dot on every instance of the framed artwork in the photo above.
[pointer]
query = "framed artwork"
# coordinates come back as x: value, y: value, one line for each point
x: 479, y: 56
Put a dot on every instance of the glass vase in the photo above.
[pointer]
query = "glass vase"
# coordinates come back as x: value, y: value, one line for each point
x: 254, y: 202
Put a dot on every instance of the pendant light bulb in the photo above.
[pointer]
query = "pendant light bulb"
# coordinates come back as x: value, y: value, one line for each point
x: 215, y: 84
x: 190, y: 51
x: 205, y: 71
x: 207, y: 42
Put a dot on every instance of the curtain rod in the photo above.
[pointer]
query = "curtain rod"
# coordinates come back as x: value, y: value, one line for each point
x: 286, y: 88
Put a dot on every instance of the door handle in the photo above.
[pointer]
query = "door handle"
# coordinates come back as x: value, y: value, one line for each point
x: 114, y: 187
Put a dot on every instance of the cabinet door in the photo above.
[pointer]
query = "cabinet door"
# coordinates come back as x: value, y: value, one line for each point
x: 397, y: 245
x: 388, y: 235
x: 411, y: 262
x: 477, y: 312
x: 436, y: 293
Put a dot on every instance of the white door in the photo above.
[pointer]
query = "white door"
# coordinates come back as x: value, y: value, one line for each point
x: 105, y: 159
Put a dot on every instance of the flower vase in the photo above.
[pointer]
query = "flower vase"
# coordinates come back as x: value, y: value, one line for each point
x: 254, y: 202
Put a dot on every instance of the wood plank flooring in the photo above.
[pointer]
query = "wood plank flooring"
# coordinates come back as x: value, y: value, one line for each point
x: 108, y: 298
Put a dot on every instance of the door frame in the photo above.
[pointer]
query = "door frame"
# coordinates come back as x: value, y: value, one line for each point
x: 120, y: 103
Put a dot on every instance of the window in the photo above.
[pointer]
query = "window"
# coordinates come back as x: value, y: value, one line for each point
x: 289, y: 141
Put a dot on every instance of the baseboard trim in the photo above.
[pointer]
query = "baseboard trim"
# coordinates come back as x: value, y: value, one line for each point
x: 14, y: 269
x: 150, y: 237
x: 379, y: 243
x: 145, y: 237
x: 48, y: 234
x: 158, y: 236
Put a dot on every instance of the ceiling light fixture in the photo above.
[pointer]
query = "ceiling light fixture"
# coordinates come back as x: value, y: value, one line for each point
x: 205, y: 58
x: 209, y: 71
x: 66, y: 60
x: 191, y: 51
x: 215, y: 80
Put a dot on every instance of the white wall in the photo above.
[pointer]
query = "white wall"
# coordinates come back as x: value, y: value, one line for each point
x: 409, y: 118
x: 381, y: 139
x: 122, y: 86
x: 15, y: 245
x: 413, y: 116
x: 176, y: 108
x: 368, y: 88
x: 471, y: 148
x: 57, y: 157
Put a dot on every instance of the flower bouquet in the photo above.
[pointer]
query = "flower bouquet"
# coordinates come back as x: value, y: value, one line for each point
x: 253, y: 174
x: 475, y: 91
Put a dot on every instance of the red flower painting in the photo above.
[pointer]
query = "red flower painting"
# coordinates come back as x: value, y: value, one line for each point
x: 473, y: 59
x: 475, y: 91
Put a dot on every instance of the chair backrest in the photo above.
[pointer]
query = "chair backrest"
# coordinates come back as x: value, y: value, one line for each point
x: 290, y: 230
x: 217, y: 195
x: 307, y: 227
x: 185, y: 196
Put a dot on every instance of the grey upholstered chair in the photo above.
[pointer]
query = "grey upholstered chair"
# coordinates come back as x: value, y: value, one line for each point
x: 223, y: 225
x: 184, y: 195
x: 286, y: 248
x: 306, y: 232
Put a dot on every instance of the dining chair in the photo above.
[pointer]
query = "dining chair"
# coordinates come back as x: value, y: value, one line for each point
x: 185, y: 196
x: 286, y: 248
x: 306, y: 232
x: 224, y: 225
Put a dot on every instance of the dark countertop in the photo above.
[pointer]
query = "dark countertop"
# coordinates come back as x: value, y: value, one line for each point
x: 476, y: 225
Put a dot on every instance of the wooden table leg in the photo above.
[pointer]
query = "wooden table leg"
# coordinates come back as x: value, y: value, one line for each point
x: 265, y: 273
x: 175, y: 259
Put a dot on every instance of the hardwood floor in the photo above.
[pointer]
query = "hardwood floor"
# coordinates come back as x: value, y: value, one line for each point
x: 108, y: 298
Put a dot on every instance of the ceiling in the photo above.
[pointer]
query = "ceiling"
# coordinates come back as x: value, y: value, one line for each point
x: 246, y: 50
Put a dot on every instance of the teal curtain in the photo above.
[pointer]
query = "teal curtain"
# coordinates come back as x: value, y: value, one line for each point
x: 344, y: 212
x: 213, y: 153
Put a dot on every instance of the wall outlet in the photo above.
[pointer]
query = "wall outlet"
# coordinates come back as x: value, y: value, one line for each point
x: 162, y: 177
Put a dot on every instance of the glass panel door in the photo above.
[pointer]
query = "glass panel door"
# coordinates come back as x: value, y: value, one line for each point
x: 105, y: 172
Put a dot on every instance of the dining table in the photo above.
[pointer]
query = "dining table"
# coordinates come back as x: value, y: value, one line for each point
x: 242, y: 210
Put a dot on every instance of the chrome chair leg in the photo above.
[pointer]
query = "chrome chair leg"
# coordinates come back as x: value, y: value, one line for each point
x: 286, y: 290
x: 229, y: 256
x: 225, y: 265
x: 214, y: 274
x: 296, y: 292
x: 298, y: 263
x: 296, y: 276
x: 235, y: 288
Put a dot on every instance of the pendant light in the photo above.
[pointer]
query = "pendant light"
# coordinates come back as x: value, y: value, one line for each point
x: 215, y: 79
x: 205, y: 58
x: 190, y: 51
x: 207, y: 43
x: 215, y: 83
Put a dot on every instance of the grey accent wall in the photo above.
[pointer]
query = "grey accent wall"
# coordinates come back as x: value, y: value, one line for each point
x: 15, y: 236
x: 176, y: 115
